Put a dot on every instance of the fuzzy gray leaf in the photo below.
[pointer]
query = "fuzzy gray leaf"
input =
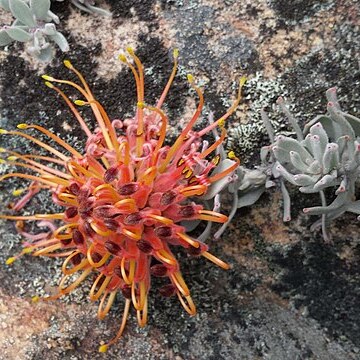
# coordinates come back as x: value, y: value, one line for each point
x: 305, y: 180
x: 46, y: 54
x: 99, y: 11
x: 332, y: 129
x: 61, y: 41
x: 324, y: 182
x: 290, y: 144
x: 354, y: 207
x: 337, y: 204
x: 264, y: 151
x: 219, y: 185
x: 314, y: 168
x: 49, y: 29
x: 5, y: 39
x: 354, y: 122
x: 341, y: 121
x: 318, y: 130
x: 22, y: 12
x: 331, y: 157
x: 282, y: 155
x: 316, y: 148
x: 308, y: 189
x: 53, y: 17
x: 5, y: 4
x: 40, y: 8
x: 289, y: 177
x: 297, y: 162
x: 18, y: 34
x: 249, y: 198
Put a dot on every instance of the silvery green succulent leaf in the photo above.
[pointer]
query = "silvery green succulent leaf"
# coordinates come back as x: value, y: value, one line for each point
x: 317, y: 129
x: 282, y: 155
x: 341, y: 121
x: 89, y: 7
x: 291, y: 119
x: 305, y: 180
x: 354, y: 122
x: 80, y: 6
x: 331, y: 97
x: 250, y: 179
x: 326, y: 181
x: 190, y: 225
x: 18, y: 34
x: 5, y: 39
x: 32, y: 25
x: 269, y: 184
x: 53, y: 17
x: 338, y: 203
x: 285, y: 174
x: 18, y: 23
x: 308, y: 189
x: 60, y: 40
x: 264, y: 152
x: 98, y: 11
x: 328, y: 158
x: 297, y: 161
x: 219, y: 185
x: 40, y: 8
x: 250, y: 198
x: 5, y: 4
x: 22, y: 12
x: 287, y: 144
x: 354, y: 207
x: 314, y: 168
x: 49, y: 29
x: 331, y: 128
x: 43, y: 54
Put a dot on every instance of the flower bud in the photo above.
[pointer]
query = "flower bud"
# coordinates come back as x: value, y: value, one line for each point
x: 144, y: 246
x: 167, y: 290
x: 158, y: 270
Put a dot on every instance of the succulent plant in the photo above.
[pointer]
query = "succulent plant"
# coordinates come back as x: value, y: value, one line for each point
x: 89, y: 7
x: 33, y: 25
x: 326, y: 155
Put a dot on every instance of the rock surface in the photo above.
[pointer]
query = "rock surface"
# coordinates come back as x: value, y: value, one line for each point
x: 288, y: 295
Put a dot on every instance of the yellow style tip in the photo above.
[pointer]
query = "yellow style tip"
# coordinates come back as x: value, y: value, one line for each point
x: 242, y: 81
x: 130, y: 50
x: 35, y: 299
x: 2, y: 161
x: 176, y: 53
x: 231, y: 155
x: 12, y: 158
x: 2, y: 150
x: 68, y: 64
x: 49, y: 84
x: 80, y: 102
x: 22, y: 126
x: 27, y: 250
x: 10, y: 260
x: 47, y: 77
x: 140, y: 104
x: 18, y: 192
x: 3, y: 131
x: 221, y: 123
x: 122, y: 58
x: 103, y: 348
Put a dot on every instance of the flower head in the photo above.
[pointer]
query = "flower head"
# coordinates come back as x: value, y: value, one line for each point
x: 124, y: 198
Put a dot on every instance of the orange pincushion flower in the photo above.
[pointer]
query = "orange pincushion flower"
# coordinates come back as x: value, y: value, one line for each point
x: 124, y: 198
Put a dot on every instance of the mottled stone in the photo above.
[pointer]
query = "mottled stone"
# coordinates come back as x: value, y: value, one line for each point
x: 288, y: 294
